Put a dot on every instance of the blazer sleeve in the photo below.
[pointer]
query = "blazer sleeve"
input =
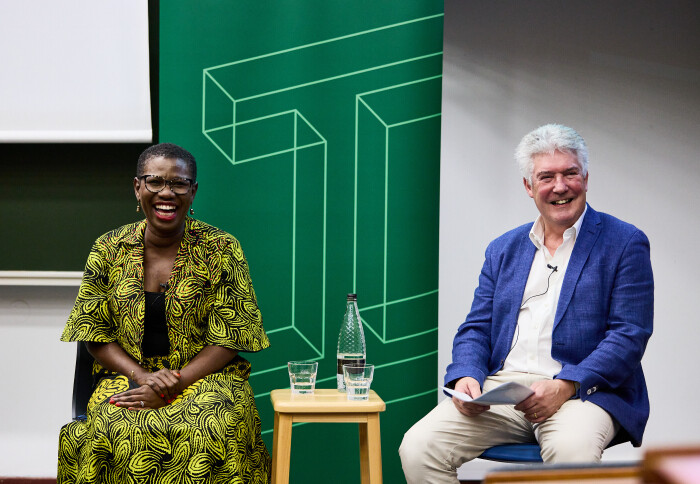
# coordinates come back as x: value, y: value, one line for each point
x: 629, y: 324
x: 471, y: 348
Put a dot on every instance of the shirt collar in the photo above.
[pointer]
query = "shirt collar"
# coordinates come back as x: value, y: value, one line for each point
x: 537, y: 230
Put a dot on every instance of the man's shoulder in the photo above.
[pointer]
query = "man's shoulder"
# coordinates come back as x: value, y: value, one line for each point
x: 612, y: 226
x: 513, y: 236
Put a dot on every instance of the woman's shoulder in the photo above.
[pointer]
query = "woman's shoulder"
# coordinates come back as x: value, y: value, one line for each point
x: 199, y: 232
x: 130, y: 233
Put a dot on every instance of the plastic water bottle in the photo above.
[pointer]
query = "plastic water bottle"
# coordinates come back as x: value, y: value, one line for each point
x: 351, y: 340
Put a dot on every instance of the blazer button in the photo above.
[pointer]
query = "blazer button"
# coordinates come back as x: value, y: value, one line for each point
x: 589, y: 391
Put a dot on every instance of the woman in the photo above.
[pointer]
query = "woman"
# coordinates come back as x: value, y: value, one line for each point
x: 164, y: 307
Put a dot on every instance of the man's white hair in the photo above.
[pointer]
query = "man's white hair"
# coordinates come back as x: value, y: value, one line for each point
x: 546, y: 140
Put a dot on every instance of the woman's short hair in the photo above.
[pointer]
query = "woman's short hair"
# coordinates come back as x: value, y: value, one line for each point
x: 167, y: 150
x: 548, y: 139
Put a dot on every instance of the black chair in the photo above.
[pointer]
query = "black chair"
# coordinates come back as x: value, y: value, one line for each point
x: 83, y: 385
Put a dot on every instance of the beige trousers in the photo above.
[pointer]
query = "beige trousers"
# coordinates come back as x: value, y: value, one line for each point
x: 443, y: 440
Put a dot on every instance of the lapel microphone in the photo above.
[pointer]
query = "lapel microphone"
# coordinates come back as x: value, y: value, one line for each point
x: 517, y: 326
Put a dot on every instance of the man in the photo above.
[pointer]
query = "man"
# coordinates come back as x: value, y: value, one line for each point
x: 564, y: 306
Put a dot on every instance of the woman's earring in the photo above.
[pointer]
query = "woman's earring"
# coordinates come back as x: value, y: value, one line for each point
x: 138, y: 207
x: 191, y: 211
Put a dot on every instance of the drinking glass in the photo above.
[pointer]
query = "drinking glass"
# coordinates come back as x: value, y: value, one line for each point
x: 302, y: 376
x: 357, y: 380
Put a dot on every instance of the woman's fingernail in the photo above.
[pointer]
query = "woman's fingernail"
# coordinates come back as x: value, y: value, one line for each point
x: 162, y: 395
x: 117, y: 404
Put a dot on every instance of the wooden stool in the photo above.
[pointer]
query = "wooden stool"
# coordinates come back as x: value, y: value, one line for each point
x: 327, y: 406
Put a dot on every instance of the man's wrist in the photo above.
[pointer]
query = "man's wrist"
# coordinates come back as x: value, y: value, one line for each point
x: 568, y: 386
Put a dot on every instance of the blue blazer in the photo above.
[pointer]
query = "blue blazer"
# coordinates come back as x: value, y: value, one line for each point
x: 603, y: 321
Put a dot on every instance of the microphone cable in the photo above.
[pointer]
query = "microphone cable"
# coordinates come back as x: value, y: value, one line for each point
x: 517, y: 326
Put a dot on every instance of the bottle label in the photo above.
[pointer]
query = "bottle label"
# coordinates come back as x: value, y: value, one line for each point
x: 347, y: 360
x: 353, y: 360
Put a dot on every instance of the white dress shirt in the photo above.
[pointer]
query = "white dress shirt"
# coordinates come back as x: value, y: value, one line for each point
x: 531, y: 349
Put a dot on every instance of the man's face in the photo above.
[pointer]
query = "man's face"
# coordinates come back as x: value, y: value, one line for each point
x: 559, y: 190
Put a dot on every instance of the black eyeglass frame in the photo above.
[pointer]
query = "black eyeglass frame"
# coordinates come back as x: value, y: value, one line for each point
x: 169, y: 183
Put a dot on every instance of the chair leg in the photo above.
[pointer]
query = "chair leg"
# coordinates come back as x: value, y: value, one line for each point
x: 371, y: 450
x: 281, y: 448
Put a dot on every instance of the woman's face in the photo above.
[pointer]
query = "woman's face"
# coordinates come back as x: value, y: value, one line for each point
x: 165, y: 211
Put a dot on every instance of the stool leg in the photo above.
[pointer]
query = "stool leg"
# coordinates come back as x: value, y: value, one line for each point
x: 371, y: 450
x: 281, y: 448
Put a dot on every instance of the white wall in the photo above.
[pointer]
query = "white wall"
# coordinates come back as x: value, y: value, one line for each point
x: 626, y: 75
x: 37, y: 377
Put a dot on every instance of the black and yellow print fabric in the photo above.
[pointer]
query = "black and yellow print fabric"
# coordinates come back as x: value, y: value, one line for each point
x: 209, y: 298
x: 209, y: 434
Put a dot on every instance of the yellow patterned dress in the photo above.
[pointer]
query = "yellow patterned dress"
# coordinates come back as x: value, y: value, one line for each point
x: 211, y: 432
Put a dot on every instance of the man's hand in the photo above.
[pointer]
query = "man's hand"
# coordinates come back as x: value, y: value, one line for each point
x: 471, y: 387
x: 549, y: 396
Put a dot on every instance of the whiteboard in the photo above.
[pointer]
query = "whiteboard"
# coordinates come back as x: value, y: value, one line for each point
x: 74, y: 71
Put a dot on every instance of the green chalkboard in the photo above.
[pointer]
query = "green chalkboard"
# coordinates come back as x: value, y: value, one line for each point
x: 58, y: 198
x: 316, y: 126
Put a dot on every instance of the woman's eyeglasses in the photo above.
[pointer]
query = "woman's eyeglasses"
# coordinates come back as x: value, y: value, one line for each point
x: 155, y: 184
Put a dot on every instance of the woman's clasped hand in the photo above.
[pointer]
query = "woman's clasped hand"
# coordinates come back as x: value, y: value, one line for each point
x: 155, y: 390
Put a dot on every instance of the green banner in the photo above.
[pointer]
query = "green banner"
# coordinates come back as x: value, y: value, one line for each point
x: 316, y: 126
